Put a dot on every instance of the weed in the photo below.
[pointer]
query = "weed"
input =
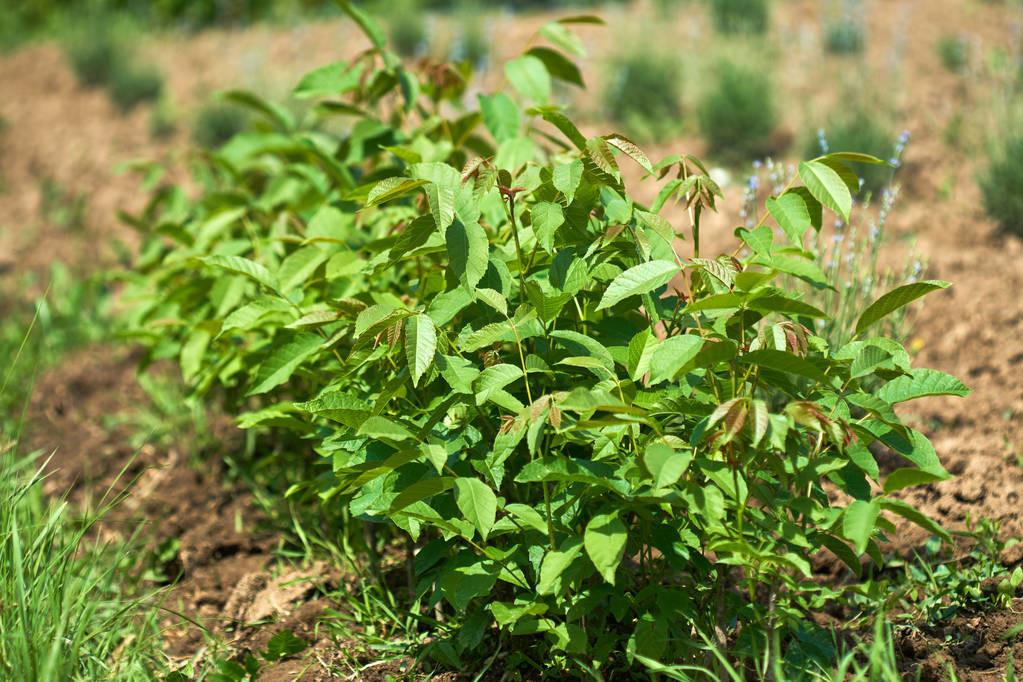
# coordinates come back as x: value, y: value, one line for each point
x: 740, y: 16
x: 62, y: 207
x: 216, y: 123
x: 133, y: 85
x: 95, y: 53
x: 844, y: 37
x: 954, y: 52
x: 738, y: 115
x: 1001, y: 183
x: 644, y: 94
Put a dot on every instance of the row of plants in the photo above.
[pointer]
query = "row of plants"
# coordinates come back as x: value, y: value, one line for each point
x: 461, y: 330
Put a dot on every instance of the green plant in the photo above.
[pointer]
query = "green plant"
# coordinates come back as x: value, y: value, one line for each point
x: 738, y: 115
x: 95, y: 52
x: 954, y: 52
x: 740, y: 16
x: 857, y: 128
x: 845, y: 36
x: 501, y: 360
x: 1001, y: 181
x: 132, y: 85
x: 644, y: 94
x: 216, y: 123
x: 844, y: 33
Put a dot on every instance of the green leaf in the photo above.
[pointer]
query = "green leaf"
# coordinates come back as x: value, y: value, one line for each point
x: 276, y: 114
x: 500, y: 115
x: 420, y: 490
x: 672, y: 355
x: 783, y: 361
x: 282, y: 645
x: 791, y: 214
x: 895, y: 299
x: 369, y: 27
x: 383, y: 428
x: 477, y: 503
x: 776, y: 303
x: 919, y: 383
x: 665, y: 465
x: 859, y: 522
x: 389, y: 189
x: 284, y: 358
x: 554, y: 565
x: 244, y: 266
x: 910, y: 513
x: 641, y: 279
x: 469, y: 251
x: 444, y: 184
x: 547, y: 217
x: 299, y: 266
x: 529, y: 76
x: 827, y: 187
x: 908, y: 478
x: 420, y: 345
x: 558, y: 65
x: 557, y: 33
x: 334, y: 79
x: 339, y: 406
x: 630, y: 149
x: 605, y: 539
x: 855, y: 157
x: 555, y: 116
x: 567, y: 177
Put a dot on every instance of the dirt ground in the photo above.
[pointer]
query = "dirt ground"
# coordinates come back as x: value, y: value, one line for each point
x: 57, y: 134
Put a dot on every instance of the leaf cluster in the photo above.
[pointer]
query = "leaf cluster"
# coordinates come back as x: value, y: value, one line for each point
x: 600, y: 449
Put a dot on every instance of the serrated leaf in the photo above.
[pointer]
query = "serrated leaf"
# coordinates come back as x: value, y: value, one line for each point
x: 284, y: 358
x: 342, y: 407
x: 469, y: 251
x: 389, y: 189
x: 299, y: 266
x: 420, y: 345
x: 783, y: 361
x: 792, y: 215
x: 605, y: 539
x: 826, y: 186
x: 547, y: 217
x: 641, y: 279
x: 631, y: 149
x: 920, y: 383
x: 420, y: 490
x: 672, y: 355
x: 895, y: 299
x: 243, y: 266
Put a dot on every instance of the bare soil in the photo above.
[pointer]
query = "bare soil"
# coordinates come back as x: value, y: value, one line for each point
x: 57, y: 132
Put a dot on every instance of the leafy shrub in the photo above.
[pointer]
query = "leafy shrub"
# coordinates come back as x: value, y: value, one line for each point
x: 474, y: 328
x: 644, y: 94
x: 738, y: 115
x: 1001, y: 184
x: 132, y: 85
x: 858, y: 129
x: 95, y: 53
x: 740, y: 16
x: 954, y: 52
x: 216, y: 123
x: 844, y: 37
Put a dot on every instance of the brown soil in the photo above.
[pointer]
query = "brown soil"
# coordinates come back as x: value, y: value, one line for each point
x: 57, y: 131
